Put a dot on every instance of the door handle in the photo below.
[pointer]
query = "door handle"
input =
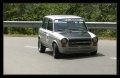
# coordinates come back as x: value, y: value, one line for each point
x: 44, y: 32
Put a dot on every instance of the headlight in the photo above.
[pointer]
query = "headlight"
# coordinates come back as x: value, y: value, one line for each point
x: 64, y: 41
x: 95, y: 39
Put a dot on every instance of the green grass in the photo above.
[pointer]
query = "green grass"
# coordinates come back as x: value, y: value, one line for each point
x: 20, y: 35
x: 106, y: 38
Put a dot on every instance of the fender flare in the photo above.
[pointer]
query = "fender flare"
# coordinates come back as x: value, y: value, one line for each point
x: 54, y: 41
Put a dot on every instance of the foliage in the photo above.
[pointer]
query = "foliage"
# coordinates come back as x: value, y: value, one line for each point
x: 91, y: 12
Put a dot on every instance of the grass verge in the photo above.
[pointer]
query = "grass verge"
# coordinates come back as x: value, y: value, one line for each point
x: 20, y: 35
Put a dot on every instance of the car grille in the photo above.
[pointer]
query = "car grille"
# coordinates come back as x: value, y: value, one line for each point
x: 79, y: 42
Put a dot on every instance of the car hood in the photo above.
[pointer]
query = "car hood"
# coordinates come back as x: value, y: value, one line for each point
x: 76, y: 35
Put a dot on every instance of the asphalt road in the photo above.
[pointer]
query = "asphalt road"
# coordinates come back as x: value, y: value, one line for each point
x: 21, y: 57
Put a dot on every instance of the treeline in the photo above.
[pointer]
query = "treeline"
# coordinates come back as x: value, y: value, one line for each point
x: 91, y: 12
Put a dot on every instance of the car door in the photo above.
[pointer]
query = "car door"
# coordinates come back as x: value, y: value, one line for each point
x: 43, y: 31
x: 49, y: 33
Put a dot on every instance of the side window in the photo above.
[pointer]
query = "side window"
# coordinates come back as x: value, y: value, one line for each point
x: 45, y: 22
x: 50, y: 25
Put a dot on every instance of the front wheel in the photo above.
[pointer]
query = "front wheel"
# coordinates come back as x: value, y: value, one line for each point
x: 94, y: 53
x: 41, y: 47
x: 56, y: 52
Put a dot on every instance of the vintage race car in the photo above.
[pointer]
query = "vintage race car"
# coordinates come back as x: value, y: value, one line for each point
x: 66, y: 34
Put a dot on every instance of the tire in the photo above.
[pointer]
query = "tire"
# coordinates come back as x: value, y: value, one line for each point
x: 41, y: 48
x: 56, y: 52
x: 93, y: 53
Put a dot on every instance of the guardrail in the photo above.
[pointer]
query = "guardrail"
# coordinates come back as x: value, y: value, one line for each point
x: 37, y: 24
x: 29, y: 24
x: 102, y: 25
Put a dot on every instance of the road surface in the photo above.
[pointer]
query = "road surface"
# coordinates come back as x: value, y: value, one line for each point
x: 21, y: 57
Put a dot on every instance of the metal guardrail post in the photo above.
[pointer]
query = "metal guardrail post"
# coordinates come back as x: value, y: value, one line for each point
x: 94, y: 31
x: 32, y: 31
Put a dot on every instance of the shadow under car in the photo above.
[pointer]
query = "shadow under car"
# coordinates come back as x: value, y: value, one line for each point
x: 75, y: 55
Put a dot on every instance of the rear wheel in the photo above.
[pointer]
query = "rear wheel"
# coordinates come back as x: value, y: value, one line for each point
x: 56, y: 52
x: 41, y: 47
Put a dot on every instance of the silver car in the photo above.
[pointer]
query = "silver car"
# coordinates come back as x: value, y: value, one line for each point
x: 66, y: 34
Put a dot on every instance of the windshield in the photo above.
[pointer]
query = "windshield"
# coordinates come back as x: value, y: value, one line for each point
x: 74, y: 24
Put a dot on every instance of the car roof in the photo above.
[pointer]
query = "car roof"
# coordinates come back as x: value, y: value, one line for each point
x: 61, y: 16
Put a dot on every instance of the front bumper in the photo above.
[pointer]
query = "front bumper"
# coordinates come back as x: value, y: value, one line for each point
x: 78, y: 49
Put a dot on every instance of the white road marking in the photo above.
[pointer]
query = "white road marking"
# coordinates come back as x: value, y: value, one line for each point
x: 113, y: 58
x: 31, y: 47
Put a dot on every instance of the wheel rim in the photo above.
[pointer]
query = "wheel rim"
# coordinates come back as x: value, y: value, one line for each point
x: 39, y: 45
